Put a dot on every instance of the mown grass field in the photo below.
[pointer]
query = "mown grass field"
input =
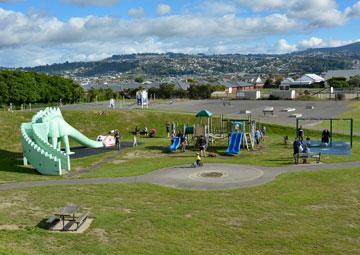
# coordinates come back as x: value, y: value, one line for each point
x: 310, y: 212
x: 298, y: 213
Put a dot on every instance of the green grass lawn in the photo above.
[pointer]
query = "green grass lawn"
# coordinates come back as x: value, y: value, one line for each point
x: 311, y: 212
x: 298, y: 213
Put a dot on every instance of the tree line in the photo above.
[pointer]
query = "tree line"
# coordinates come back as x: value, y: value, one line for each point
x: 18, y: 87
x: 342, y: 82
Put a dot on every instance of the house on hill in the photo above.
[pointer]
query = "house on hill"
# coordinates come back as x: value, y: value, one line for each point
x: 232, y: 87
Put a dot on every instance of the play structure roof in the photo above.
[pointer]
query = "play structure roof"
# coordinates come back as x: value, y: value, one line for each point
x: 204, y: 113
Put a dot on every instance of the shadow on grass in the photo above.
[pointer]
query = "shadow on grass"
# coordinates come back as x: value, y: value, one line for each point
x: 12, y: 162
x: 281, y: 161
x: 163, y: 149
x: 44, y: 225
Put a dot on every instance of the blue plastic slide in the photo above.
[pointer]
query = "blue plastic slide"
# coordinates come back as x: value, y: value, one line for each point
x: 235, y: 143
x: 176, y: 144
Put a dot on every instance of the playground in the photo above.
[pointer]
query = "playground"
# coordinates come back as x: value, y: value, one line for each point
x: 151, y: 197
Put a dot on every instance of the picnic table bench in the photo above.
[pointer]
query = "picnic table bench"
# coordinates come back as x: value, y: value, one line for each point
x: 307, y: 156
x: 81, y: 219
x: 69, y: 213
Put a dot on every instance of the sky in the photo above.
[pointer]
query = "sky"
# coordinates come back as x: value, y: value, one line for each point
x: 34, y: 32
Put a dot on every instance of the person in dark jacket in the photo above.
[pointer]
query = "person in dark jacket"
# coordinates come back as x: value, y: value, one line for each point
x: 325, y: 137
x: 202, y: 145
x: 117, y: 140
x: 296, y: 147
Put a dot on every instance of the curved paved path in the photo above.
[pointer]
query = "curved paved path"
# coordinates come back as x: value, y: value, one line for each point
x: 185, y: 177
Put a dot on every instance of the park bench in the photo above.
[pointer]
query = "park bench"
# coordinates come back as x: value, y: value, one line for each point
x: 268, y: 109
x: 81, y: 219
x: 307, y: 156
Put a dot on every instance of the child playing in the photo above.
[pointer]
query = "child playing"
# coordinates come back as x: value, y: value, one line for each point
x: 198, y: 160
x: 135, y: 141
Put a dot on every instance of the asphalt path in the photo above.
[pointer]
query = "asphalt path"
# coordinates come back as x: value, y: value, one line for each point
x: 230, y: 176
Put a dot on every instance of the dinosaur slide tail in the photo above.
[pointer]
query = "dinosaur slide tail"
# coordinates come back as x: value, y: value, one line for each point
x: 82, y: 139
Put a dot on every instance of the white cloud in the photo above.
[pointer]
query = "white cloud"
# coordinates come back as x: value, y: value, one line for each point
x: 91, y: 2
x: 313, y: 42
x: 315, y: 13
x: 136, y: 12
x: 31, y: 39
x: 353, y: 11
x: 21, y: 29
x: 163, y: 9
x: 282, y: 46
x: 320, y: 13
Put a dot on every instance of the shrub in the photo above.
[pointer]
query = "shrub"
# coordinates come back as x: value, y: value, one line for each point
x: 340, y: 96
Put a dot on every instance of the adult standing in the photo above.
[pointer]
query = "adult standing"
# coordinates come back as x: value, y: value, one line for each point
x: 117, y: 140
x: 300, y: 133
x: 202, y: 145
x: 325, y: 137
x: 183, y: 142
x: 257, y: 136
x: 296, y: 147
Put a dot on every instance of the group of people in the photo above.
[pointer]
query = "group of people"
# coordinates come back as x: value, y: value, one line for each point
x: 325, y: 136
x: 184, y: 142
x: 303, y: 146
x: 259, y: 134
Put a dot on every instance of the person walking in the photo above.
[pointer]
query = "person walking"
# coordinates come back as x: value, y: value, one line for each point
x: 135, y: 141
x: 117, y: 140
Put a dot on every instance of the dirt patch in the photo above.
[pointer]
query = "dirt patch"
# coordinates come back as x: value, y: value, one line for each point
x: 127, y: 210
x: 9, y: 227
x: 101, y: 235
x: 326, y: 207
x: 119, y: 161
x: 143, y: 154
x: 13, y: 200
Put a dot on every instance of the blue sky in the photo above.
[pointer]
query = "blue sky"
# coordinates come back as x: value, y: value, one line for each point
x: 45, y: 32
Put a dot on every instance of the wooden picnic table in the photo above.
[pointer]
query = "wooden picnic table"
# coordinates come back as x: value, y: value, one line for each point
x: 67, y: 211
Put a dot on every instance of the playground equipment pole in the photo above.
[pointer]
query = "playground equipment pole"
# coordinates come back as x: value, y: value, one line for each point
x: 331, y: 133
x: 351, y: 131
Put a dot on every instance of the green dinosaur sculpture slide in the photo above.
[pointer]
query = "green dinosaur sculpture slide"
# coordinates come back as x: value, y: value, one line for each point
x: 41, y: 141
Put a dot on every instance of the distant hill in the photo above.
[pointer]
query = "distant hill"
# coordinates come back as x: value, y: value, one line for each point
x: 171, y: 64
